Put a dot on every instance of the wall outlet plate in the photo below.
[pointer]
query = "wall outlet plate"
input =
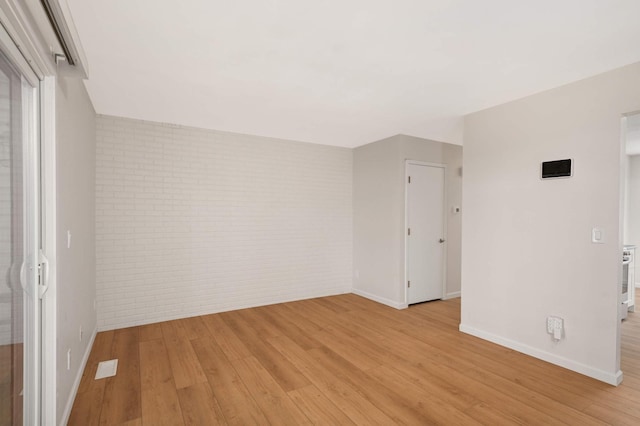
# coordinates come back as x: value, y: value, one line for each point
x: 555, y: 327
x: 597, y: 236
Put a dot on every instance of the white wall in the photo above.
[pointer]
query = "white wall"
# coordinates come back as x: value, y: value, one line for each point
x: 377, y: 201
x: 194, y: 221
x: 76, y: 266
x: 379, y: 214
x: 527, y: 248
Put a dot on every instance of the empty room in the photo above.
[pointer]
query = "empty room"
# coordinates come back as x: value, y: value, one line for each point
x: 290, y: 212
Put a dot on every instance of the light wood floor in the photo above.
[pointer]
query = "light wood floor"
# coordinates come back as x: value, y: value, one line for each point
x: 11, y: 364
x: 336, y: 361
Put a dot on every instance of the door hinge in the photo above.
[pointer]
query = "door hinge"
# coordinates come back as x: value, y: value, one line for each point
x: 409, y: 179
x: 408, y: 231
x: 408, y: 284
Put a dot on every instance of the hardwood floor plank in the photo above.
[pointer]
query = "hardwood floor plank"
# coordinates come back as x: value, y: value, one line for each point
x: 345, y: 397
x: 87, y: 407
x: 295, y: 313
x: 556, y: 409
x: 418, y: 383
x: 332, y: 304
x: 236, y: 403
x: 155, y: 368
x: 121, y: 401
x: 521, y: 376
x: 150, y: 332
x: 285, y: 373
x: 193, y: 328
x: 288, y: 328
x: 161, y: 406
x: 344, y: 345
x: 488, y: 415
x: 272, y: 400
x: 200, y: 406
x: 185, y: 366
x: 400, y: 404
x: 343, y: 301
x: 135, y: 422
x: 318, y: 409
x: 255, y: 320
x: 427, y: 374
x: 383, y: 321
x: 611, y: 415
x: 228, y: 341
x: 318, y: 314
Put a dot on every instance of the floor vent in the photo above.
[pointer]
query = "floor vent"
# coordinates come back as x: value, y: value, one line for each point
x: 107, y: 369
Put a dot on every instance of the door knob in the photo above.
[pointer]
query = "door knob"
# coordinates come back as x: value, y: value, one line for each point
x: 441, y: 240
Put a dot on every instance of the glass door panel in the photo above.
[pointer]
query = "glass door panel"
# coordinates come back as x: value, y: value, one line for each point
x: 19, y: 315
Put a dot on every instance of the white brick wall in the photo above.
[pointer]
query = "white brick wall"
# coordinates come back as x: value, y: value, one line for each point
x: 192, y: 221
x: 6, y: 219
x: 11, y: 222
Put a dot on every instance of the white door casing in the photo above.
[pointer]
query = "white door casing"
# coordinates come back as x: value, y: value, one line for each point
x: 425, y: 236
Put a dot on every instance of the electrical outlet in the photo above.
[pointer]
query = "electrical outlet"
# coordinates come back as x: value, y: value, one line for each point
x: 69, y: 359
x: 555, y: 327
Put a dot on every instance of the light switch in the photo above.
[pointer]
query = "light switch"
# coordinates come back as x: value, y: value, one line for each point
x: 68, y: 239
x: 597, y: 236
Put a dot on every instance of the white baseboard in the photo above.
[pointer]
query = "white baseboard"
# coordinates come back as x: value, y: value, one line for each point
x: 452, y: 295
x: 611, y: 378
x: 379, y: 299
x: 76, y: 384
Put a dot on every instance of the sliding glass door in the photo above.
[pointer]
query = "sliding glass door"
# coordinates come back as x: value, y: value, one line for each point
x: 20, y: 321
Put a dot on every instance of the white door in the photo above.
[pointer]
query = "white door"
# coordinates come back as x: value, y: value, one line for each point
x: 425, y: 232
x: 20, y: 290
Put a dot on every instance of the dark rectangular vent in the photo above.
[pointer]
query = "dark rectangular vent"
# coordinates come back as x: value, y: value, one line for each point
x: 557, y: 169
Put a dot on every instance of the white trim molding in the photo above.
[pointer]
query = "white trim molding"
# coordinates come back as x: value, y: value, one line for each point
x: 383, y: 300
x: 451, y: 295
x: 611, y: 378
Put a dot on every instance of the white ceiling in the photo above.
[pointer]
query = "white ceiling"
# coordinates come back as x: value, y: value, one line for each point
x: 344, y: 72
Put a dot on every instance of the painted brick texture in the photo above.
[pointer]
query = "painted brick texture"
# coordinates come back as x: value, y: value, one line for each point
x: 192, y: 221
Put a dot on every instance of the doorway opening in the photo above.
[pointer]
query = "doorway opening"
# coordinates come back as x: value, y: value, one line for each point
x: 630, y: 326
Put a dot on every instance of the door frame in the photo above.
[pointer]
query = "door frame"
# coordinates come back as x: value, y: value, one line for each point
x: 443, y: 166
x: 48, y: 236
x: 45, y: 142
x: 31, y: 321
